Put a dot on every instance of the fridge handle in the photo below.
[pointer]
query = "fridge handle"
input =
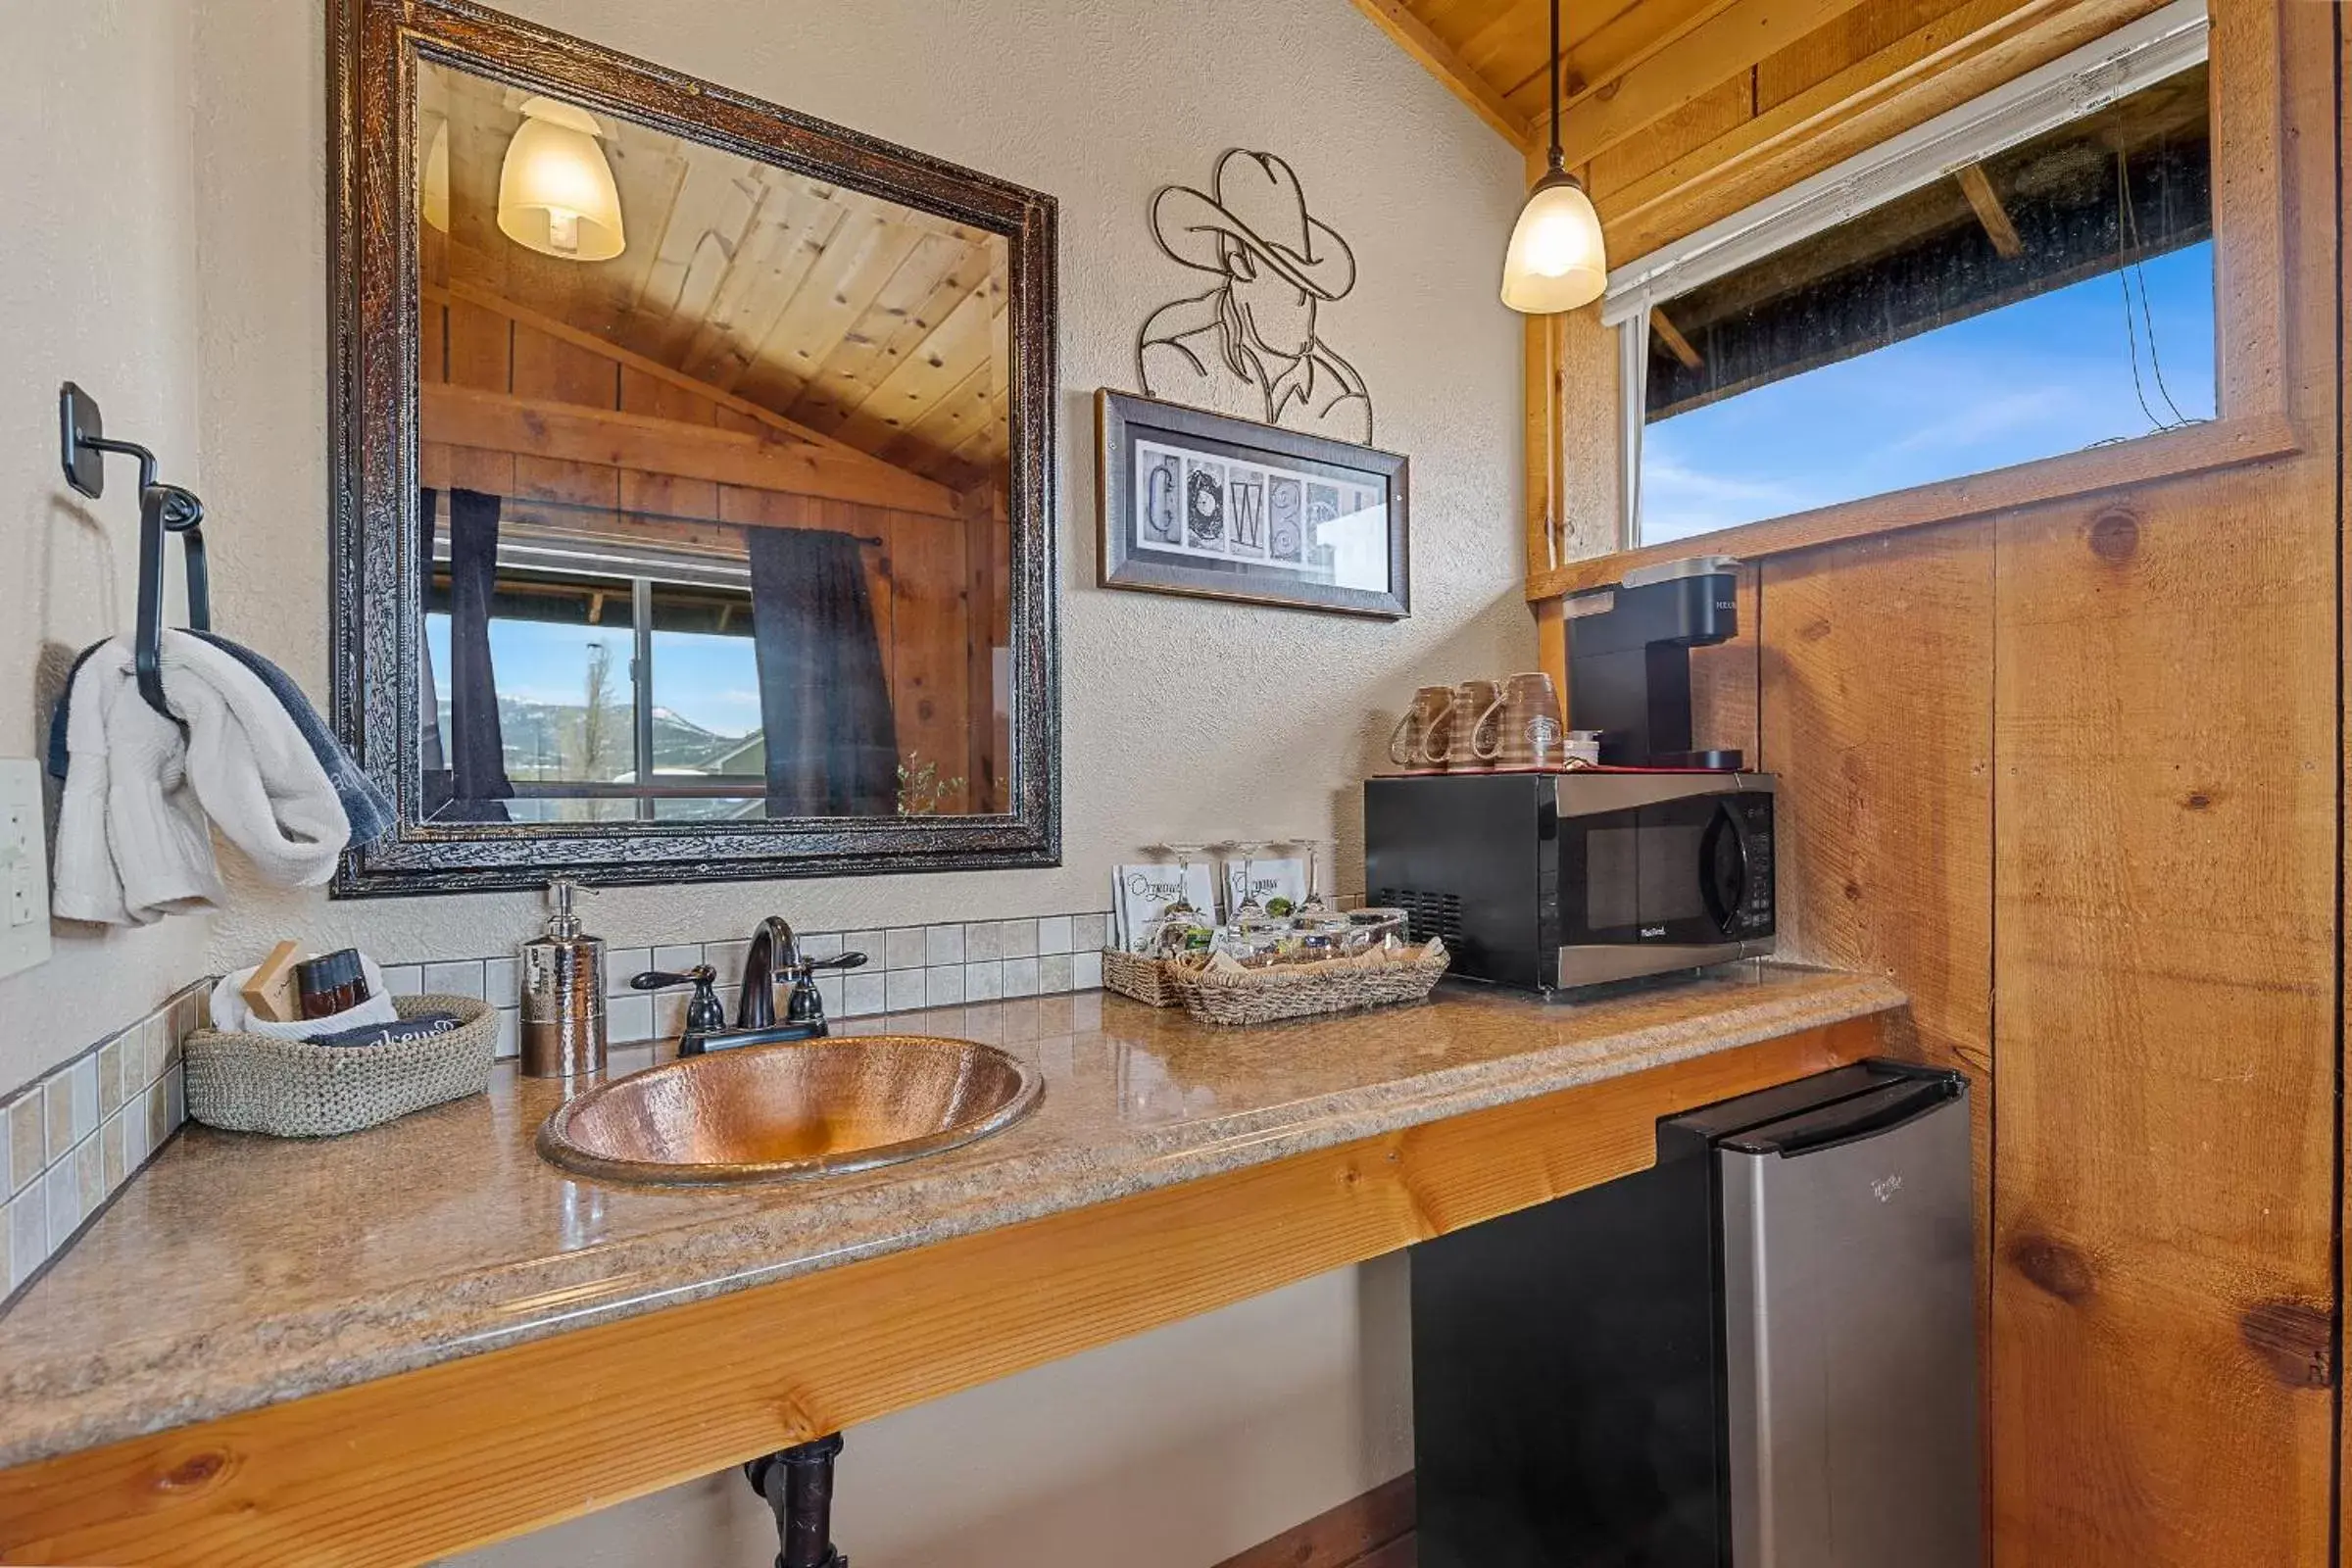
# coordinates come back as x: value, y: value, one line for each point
x: 1863, y: 1116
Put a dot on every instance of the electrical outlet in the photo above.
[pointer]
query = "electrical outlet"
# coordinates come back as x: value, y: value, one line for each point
x: 24, y: 868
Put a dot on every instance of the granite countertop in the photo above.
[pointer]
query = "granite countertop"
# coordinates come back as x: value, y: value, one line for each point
x: 238, y: 1271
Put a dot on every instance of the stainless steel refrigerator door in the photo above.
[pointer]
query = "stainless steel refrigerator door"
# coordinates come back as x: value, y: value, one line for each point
x: 1850, y: 1339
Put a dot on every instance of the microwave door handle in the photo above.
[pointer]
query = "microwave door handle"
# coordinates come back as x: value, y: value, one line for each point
x: 1725, y: 902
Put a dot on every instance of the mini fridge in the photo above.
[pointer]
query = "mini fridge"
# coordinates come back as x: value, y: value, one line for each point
x: 1759, y: 1353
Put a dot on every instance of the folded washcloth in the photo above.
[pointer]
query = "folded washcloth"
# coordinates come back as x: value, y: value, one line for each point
x: 364, y: 801
x: 140, y: 796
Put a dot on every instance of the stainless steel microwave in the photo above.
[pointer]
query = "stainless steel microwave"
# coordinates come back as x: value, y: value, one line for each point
x: 1548, y: 881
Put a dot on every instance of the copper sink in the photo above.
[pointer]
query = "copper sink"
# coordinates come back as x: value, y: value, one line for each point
x: 813, y: 1108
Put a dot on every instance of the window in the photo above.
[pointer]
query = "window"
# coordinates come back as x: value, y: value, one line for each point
x: 2029, y: 275
x: 597, y: 725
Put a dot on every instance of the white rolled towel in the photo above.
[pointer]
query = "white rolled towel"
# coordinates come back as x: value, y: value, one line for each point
x: 134, y: 843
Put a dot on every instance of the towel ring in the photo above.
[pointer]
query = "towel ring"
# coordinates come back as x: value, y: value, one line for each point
x: 163, y: 508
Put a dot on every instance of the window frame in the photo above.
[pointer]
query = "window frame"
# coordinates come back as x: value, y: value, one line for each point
x: 2252, y: 421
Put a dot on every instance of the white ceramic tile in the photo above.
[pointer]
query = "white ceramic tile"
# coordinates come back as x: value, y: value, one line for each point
x: 155, y: 1049
x: 678, y: 958
x: 861, y: 993
x: 903, y: 992
x: 983, y: 942
x: 943, y: 945
x: 1053, y: 934
x: 983, y: 982
x: 830, y: 994
x: 1089, y: 932
x: 670, y: 1012
x: 461, y: 977
x: 8, y: 1164
x: 111, y: 1069
x: 188, y: 1010
x: 1018, y: 939
x: 24, y: 1229
x: 176, y: 1101
x: 623, y: 965
x: 726, y: 958
x: 943, y: 987
x: 874, y: 944
x: 405, y: 979
x: 822, y: 945
x: 1086, y: 970
x: 1020, y: 977
x: 906, y: 947
x: 159, y: 1114
x: 84, y: 1076
x: 629, y: 1018
x: 510, y: 1032
x: 1053, y: 974
x: 60, y: 1199
x: 137, y: 1137
x: 499, y: 986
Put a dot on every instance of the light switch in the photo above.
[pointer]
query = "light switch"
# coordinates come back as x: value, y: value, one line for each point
x: 24, y: 868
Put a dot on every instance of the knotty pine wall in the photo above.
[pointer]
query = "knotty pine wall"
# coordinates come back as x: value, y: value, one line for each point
x: 2070, y: 773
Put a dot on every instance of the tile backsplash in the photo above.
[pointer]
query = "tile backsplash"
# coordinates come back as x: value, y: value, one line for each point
x: 70, y: 1140
x: 907, y: 967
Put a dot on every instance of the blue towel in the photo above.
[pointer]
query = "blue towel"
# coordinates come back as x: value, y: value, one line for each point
x: 364, y: 801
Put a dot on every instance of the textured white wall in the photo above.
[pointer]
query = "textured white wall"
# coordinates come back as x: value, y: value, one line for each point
x: 98, y: 284
x: 1180, y: 718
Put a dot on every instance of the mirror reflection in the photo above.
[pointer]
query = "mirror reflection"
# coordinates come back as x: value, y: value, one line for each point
x: 712, y: 465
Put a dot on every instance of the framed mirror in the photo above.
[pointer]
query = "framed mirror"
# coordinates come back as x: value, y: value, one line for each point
x: 692, y: 505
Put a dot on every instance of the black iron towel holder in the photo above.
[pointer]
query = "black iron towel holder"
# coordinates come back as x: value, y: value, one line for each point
x: 163, y: 509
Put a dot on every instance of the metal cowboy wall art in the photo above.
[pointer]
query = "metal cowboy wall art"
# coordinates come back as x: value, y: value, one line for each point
x: 1251, y: 347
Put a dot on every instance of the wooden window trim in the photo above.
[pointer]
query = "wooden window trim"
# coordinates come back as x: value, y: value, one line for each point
x: 2251, y: 317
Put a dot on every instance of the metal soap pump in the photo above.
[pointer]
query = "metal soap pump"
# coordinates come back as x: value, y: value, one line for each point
x: 563, y: 994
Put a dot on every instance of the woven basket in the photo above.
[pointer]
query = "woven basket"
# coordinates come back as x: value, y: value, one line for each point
x: 1264, y: 996
x: 293, y: 1088
x: 1145, y: 980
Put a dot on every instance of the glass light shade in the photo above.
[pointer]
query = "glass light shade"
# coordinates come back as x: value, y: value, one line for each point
x: 435, y: 194
x: 1557, y: 260
x: 554, y: 191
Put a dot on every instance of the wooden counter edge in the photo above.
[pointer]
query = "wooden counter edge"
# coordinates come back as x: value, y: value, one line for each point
x: 429, y: 1463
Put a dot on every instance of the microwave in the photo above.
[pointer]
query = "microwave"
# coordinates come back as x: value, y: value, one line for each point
x: 1548, y: 881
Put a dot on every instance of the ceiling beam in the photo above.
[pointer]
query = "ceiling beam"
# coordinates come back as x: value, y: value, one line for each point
x: 1989, y: 212
x: 573, y: 432
x: 1396, y: 19
x: 1725, y: 44
x: 1624, y: 40
x: 1672, y: 336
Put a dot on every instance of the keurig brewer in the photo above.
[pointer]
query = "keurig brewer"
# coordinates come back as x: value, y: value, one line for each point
x: 1628, y: 660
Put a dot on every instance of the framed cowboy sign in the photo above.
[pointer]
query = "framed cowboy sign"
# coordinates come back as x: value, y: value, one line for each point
x: 1204, y: 504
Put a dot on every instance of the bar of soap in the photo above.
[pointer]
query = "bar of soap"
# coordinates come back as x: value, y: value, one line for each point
x: 269, y: 989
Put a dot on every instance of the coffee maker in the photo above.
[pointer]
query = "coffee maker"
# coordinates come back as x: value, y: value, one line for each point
x: 1628, y: 660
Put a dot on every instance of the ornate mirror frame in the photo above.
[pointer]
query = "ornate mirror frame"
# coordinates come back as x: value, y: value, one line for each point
x: 374, y: 47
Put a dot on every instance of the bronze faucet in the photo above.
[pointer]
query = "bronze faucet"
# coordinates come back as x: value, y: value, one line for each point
x: 774, y: 958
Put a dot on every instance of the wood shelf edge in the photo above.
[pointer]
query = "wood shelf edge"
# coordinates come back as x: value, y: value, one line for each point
x: 2071, y: 476
x: 429, y: 1463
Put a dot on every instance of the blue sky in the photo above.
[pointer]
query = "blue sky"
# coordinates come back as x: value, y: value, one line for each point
x: 2045, y: 375
x: 711, y: 681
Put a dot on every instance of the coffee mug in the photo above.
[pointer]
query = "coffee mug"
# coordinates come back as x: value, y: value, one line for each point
x: 1473, y: 706
x: 1524, y: 728
x: 1422, y: 737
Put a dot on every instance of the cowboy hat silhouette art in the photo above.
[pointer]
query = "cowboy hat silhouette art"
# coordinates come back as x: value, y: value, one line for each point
x: 1248, y: 347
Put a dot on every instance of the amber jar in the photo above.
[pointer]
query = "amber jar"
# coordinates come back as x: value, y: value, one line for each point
x: 333, y: 983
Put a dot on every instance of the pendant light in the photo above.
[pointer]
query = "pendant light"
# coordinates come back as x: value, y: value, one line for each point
x: 554, y: 191
x: 1556, y: 260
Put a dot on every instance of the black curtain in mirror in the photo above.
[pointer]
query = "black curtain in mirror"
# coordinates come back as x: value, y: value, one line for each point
x: 477, y: 780
x: 824, y: 701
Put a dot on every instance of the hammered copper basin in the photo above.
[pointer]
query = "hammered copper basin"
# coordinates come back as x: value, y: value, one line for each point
x: 812, y: 1107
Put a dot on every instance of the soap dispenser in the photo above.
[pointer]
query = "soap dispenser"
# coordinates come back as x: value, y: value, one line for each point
x: 563, y: 994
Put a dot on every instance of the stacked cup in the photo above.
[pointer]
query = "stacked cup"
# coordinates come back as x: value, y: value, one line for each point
x: 1482, y: 726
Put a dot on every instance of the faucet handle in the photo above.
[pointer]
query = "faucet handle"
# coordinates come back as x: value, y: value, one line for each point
x: 702, y: 974
x: 840, y: 960
x: 705, y: 1013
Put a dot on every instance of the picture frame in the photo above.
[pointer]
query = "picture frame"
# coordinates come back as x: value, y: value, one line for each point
x: 1201, y: 504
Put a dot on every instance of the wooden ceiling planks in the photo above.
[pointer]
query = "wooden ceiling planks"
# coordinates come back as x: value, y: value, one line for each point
x: 824, y: 305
